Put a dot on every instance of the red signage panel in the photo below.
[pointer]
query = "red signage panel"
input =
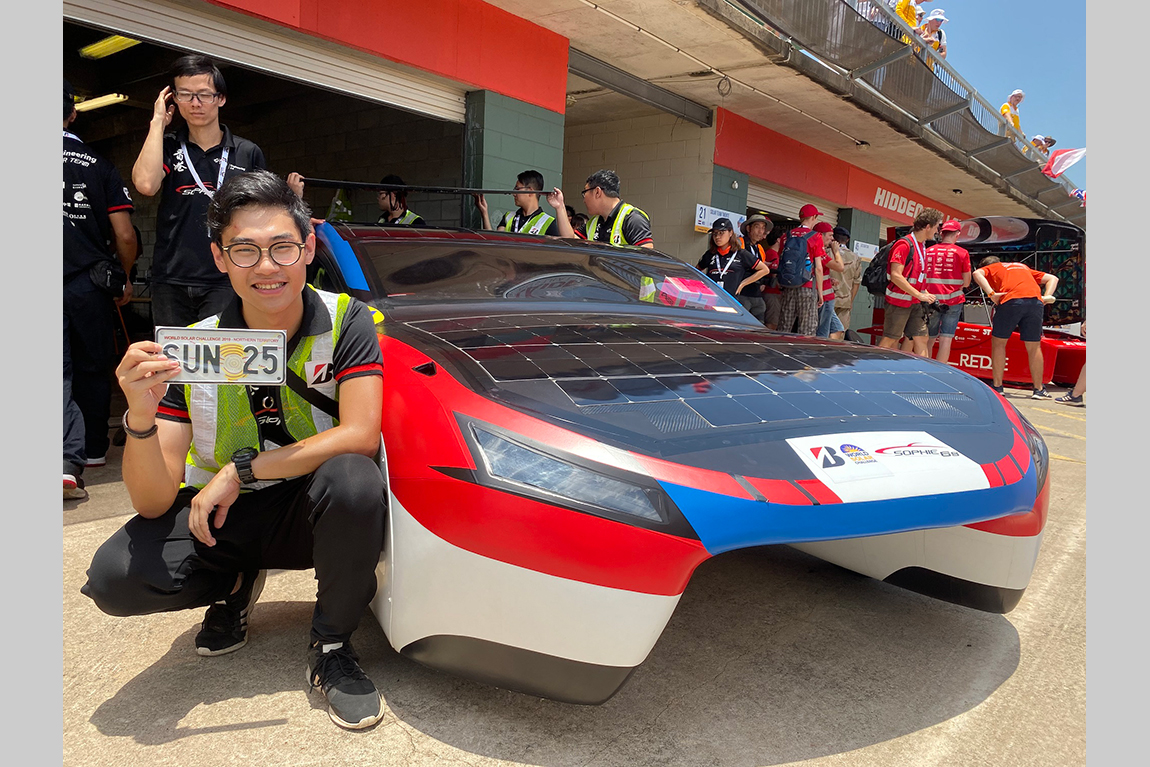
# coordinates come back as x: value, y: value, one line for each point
x: 760, y: 152
x: 467, y: 41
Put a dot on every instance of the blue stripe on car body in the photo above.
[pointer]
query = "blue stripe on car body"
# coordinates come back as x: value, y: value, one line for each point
x: 344, y: 256
x: 725, y: 523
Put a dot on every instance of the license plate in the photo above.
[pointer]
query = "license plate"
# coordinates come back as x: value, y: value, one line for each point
x: 223, y: 356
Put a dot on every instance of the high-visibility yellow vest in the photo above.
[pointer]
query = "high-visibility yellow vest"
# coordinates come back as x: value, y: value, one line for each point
x: 537, y: 224
x: 404, y: 220
x: 617, y: 227
x: 221, y: 415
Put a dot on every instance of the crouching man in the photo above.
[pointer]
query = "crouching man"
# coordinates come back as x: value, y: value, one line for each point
x: 228, y: 481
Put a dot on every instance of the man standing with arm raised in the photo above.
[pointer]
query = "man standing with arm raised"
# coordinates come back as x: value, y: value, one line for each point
x: 186, y: 167
x: 228, y: 480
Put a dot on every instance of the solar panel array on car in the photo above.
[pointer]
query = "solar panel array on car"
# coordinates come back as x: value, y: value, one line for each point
x: 663, y: 378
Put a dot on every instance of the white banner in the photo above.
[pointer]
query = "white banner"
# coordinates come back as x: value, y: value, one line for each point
x: 705, y: 216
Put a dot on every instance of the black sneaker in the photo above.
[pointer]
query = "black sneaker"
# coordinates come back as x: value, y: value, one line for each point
x: 1069, y: 399
x: 1040, y: 394
x: 352, y: 700
x: 996, y: 388
x: 225, y: 626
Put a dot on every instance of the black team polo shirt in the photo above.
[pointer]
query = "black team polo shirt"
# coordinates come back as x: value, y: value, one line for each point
x: 93, y: 188
x: 183, y: 254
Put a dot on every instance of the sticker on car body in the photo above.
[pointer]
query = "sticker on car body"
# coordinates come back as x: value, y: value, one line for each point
x: 223, y: 356
x: 868, y: 466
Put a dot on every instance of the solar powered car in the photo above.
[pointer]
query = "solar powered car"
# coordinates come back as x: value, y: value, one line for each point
x: 572, y: 428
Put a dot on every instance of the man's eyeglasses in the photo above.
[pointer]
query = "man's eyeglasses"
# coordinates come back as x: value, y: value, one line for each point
x: 204, y: 97
x: 588, y: 189
x: 245, y: 255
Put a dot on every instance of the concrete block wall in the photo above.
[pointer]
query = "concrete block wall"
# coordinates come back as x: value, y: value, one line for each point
x: 505, y: 137
x: 665, y: 167
x: 318, y: 134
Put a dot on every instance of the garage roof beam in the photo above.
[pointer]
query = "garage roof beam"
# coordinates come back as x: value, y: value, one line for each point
x: 602, y: 73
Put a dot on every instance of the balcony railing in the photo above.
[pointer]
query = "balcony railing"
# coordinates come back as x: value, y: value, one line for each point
x: 867, y: 42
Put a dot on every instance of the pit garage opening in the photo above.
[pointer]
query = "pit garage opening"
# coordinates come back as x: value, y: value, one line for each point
x: 299, y: 126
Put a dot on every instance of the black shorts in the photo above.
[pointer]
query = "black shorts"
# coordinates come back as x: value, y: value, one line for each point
x: 1023, y: 314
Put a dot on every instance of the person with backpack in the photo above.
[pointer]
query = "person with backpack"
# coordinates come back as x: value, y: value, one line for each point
x: 800, y: 272
x: 906, y: 285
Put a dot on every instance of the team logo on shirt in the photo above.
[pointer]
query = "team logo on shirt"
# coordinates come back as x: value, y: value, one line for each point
x: 79, y: 197
x: 319, y: 373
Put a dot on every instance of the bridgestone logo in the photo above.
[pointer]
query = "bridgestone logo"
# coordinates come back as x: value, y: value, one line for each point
x: 896, y: 203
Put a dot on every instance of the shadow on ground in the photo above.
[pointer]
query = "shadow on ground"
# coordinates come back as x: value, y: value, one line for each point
x: 772, y: 657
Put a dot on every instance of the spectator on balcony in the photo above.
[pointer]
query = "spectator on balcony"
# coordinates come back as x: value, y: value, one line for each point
x: 931, y: 32
x: 1010, y: 108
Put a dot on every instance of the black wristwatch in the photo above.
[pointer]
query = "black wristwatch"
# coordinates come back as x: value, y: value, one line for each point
x: 242, y: 459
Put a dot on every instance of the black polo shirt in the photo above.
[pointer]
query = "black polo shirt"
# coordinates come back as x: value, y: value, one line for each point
x: 518, y: 220
x: 636, y: 228
x: 728, y: 269
x: 183, y: 255
x: 759, y: 250
x: 92, y: 189
x: 356, y: 354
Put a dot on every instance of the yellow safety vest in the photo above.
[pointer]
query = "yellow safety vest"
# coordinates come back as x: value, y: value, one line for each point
x: 221, y: 415
x: 617, y: 227
x: 537, y: 224
x: 404, y: 220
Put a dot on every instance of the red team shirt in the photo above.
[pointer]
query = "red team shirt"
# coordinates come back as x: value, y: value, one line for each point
x: 815, y: 249
x: 913, y: 261
x: 945, y: 265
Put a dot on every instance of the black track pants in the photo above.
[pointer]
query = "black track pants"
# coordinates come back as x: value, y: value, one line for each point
x: 331, y: 520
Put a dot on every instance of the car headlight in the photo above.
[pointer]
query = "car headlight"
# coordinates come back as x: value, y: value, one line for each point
x: 1037, y: 447
x: 511, y: 463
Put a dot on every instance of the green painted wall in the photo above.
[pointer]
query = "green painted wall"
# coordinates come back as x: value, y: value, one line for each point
x: 723, y: 196
x: 504, y: 137
x: 864, y: 227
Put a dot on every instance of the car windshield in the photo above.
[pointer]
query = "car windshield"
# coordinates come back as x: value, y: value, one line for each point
x: 423, y: 273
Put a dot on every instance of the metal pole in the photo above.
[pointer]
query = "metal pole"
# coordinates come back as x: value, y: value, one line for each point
x: 336, y: 184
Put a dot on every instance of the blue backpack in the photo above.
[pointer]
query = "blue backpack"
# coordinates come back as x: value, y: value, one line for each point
x: 794, y: 266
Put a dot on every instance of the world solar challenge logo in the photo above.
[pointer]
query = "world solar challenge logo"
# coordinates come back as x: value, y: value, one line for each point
x: 856, y: 454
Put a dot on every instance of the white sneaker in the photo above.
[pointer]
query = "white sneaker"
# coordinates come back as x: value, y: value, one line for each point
x: 74, y: 488
x: 96, y: 462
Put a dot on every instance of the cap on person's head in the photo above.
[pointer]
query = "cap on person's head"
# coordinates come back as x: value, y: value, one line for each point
x: 1050, y: 141
x: 842, y: 231
x: 823, y: 227
x: 722, y: 225
x: 69, y: 98
x: 808, y: 210
x: 938, y: 14
x: 953, y: 225
x: 1039, y: 138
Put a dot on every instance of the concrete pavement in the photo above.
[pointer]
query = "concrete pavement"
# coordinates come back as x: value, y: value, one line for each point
x: 772, y: 657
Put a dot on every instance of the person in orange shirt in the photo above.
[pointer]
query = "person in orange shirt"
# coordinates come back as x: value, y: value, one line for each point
x: 1015, y: 289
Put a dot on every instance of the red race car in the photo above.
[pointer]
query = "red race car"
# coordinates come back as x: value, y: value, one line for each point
x: 572, y: 428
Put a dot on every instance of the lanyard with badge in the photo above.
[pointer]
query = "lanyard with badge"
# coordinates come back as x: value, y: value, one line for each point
x: 196, y: 176
x: 723, y: 271
x: 920, y: 254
